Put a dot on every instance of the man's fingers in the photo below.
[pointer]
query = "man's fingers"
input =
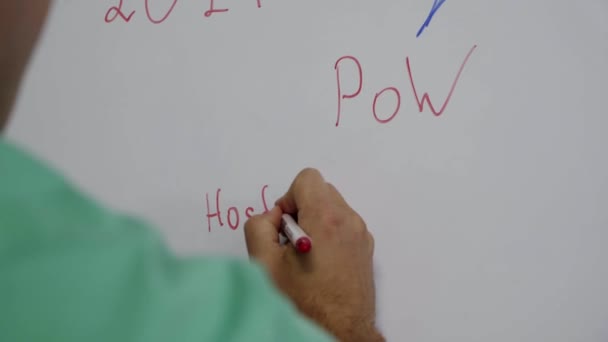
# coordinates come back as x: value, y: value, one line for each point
x: 336, y: 198
x: 262, y: 233
x: 306, y: 191
x: 310, y: 191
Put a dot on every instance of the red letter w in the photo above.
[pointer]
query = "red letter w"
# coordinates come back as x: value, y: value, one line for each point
x: 425, y: 96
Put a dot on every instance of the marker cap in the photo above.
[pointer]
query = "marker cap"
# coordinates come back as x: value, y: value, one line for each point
x: 303, y: 245
x: 295, y: 234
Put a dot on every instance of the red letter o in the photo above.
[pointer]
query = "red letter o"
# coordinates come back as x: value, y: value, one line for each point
x: 393, y: 89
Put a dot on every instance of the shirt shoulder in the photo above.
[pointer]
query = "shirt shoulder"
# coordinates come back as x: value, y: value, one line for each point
x: 73, y: 270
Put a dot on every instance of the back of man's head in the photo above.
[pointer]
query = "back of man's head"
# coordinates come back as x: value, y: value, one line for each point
x: 20, y: 23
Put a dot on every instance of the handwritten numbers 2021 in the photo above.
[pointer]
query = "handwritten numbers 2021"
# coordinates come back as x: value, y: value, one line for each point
x: 159, y: 11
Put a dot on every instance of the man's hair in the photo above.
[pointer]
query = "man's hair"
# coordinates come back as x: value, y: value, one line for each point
x: 21, y: 23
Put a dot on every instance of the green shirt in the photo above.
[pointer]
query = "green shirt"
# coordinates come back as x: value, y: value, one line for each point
x: 71, y: 270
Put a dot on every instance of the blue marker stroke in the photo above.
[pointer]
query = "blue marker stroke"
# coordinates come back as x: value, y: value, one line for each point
x: 436, y: 5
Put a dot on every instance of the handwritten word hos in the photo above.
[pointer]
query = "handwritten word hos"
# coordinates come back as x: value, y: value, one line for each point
x: 161, y: 10
x: 420, y: 101
x: 233, y: 217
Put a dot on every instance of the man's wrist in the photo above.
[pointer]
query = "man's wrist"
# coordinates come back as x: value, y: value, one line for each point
x: 351, y: 328
x: 364, y: 332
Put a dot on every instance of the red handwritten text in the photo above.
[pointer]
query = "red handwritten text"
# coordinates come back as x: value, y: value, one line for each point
x: 232, y: 216
x: 387, y: 91
x: 158, y: 21
x: 116, y: 11
x: 214, y: 10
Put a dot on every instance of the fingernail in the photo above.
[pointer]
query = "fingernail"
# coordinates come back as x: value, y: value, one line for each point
x: 271, y: 210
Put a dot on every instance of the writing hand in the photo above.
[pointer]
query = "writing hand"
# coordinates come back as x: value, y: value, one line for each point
x: 333, y: 284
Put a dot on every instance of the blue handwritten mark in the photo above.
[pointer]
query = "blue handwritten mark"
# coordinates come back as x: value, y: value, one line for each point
x: 436, y: 5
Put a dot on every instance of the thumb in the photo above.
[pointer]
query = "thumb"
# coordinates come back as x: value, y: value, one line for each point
x: 262, y: 233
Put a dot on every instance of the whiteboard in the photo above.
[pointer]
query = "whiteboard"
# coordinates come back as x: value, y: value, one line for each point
x: 490, y: 219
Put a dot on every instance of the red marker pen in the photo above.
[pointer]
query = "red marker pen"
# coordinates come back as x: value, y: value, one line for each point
x: 295, y: 234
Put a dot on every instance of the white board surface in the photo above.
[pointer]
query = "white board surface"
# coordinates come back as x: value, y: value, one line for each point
x: 490, y: 220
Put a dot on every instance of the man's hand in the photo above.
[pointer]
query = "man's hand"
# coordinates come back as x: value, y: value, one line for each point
x: 333, y: 284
